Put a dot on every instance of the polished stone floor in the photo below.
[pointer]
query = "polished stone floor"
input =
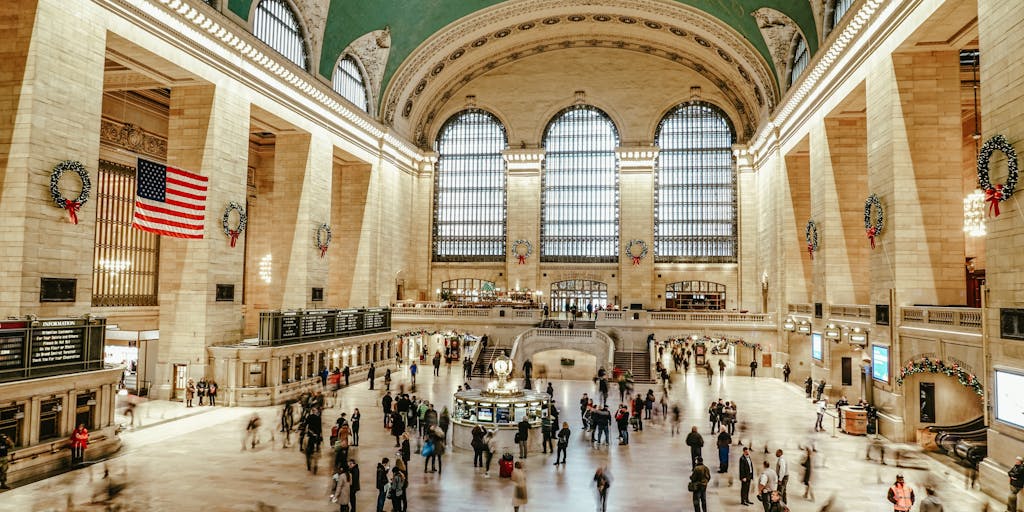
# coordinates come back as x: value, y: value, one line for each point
x: 196, y: 463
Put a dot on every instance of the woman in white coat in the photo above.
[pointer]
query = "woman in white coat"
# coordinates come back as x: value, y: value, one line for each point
x: 519, y: 497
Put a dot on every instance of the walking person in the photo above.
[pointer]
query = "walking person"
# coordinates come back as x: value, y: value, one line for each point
x: 522, y: 436
x: 387, y: 379
x: 490, y: 446
x: 901, y: 495
x: 746, y: 476
x: 695, y: 442
x: 786, y: 370
x: 699, y: 479
x: 1016, y: 475
x: 766, y: 484
x: 520, y: 496
x: 931, y: 502
x: 354, y: 426
x: 603, y: 482
x: 546, y: 433
x: 808, y: 464
x: 6, y: 445
x: 822, y: 405
x: 342, y: 489
x: 563, y: 442
x: 724, y: 442
x: 782, y: 470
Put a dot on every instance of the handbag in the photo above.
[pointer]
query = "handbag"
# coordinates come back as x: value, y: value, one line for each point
x: 692, y: 487
x: 428, y: 449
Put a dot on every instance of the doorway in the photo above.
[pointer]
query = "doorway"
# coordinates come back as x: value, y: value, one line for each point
x: 180, y: 379
x: 578, y: 293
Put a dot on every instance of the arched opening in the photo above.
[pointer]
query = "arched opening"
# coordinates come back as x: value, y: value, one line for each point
x: 577, y: 293
x: 564, y: 364
x: 695, y: 295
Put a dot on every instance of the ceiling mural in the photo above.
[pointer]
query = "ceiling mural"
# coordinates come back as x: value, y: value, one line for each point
x: 414, y: 22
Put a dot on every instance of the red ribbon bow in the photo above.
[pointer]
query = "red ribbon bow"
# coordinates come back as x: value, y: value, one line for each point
x: 871, y: 236
x: 522, y: 259
x: 636, y: 261
x: 234, y: 237
x: 73, y: 206
x: 323, y: 250
x: 810, y: 250
x: 994, y: 196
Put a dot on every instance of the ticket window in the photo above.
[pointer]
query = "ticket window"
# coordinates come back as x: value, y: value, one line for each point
x: 297, y: 366
x: 286, y: 369
x: 255, y: 375
x: 12, y: 421
x: 310, y: 362
x: 323, y: 361
x: 49, y: 419
x: 85, y: 408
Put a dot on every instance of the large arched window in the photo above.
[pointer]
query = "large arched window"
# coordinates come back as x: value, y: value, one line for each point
x: 580, y: 210
x: 274, y: 23
x: 839, y: 8
x: 695, y: 186
x: 801, y: 57
x: 348, y: 82
x: 469, y: 189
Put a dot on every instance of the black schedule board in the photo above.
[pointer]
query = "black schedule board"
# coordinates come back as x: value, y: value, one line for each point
x: 58, y: 345
x: 12, y: 350
x: 284, y: 327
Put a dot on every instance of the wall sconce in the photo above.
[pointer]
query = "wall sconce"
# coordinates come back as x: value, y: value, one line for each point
x: 832, y: 332
x: 804, y: 327
x: 789, y: 324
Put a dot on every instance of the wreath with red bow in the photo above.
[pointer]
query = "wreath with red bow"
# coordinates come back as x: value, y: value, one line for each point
x: 873, y: 228
x: 71, y: 205
x: 995, y: 194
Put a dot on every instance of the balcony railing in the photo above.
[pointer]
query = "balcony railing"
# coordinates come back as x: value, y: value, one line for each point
x: 531, y: 315
x: 859, y: 311
x: 964, y: 318
x: 805, y: 309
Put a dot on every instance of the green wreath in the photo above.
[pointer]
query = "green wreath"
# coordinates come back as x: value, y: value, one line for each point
x: 71, y: 205
x: 521, y: 257
x: 811, y: 236
x: 628, y: 250
x: 1000, y: 192
x: 242, y: 220
x: 873, y: 228
x: 323, y: 241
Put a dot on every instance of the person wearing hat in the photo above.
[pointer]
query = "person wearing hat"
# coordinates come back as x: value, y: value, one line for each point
x: 901, y: 495
x: 1016, y: 474
x: 699, y: 485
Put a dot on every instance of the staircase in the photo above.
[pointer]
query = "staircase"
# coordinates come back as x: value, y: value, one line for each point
x: 637, y: 362
x: 488, y: 355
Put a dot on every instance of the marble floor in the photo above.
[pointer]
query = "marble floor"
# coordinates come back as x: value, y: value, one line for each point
x: 196, y: 462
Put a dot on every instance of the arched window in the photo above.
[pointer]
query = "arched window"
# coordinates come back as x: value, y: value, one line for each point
x: 801, y: 57
x: 580, y: 210
x: 274, y: 23
x: 839, y: 8
x: 348, y: 82
x: 689, y: 295
x: 695, y: 186
x: 469, y: 189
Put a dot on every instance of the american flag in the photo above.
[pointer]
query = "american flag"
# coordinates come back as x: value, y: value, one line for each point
x: 169, y: 201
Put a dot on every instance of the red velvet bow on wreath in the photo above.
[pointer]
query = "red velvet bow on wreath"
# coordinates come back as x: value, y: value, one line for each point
x: 999, y: 192
x: 71, y: 205
x: 993, y: 196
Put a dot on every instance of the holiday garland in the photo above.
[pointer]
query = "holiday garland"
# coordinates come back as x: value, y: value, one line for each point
x: 628, y: 250
x: 71, y: 205
x: 1000, y: 192
x: 242, y: 220
x: 732, y: 341
x: 873, y: 229
x: 926, y: 365
x: 521, y: 257
x: 811, y: 235
x: 323, y: 241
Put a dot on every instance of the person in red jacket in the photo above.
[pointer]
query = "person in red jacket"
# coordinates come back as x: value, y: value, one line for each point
x: 79, y: 441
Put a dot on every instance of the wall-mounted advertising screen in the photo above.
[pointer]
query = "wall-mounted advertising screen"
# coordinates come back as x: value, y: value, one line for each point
x: 880, y: 363
x: 816, y: 346
x: 1010, y: 398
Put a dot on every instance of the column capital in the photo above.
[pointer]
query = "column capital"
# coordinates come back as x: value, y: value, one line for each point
x: 744, y: 158
x: 640, y: 158
x: 428, y: 164
x: 524, y: 161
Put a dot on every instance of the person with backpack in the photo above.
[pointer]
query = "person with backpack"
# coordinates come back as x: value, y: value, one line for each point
x: 396, y: 490
x: 603, y: 481
x: 699, y: 479
x: 382, y: 483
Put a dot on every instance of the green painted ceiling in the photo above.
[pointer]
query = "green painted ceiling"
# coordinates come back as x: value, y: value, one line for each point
x: 413, y: 21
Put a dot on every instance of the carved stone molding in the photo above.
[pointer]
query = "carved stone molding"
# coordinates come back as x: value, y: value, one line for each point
x: 314, y: 14
x: 779, y: 32
x: 132, y: 138
x: 464, y: 39
x: 372, y: 50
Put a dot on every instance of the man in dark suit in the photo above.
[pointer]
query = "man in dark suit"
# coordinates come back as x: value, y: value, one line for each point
x: 746, y: 476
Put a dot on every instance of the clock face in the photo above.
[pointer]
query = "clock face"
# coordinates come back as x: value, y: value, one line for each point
x: 501, y: 366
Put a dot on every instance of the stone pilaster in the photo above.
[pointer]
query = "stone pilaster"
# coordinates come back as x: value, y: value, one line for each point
x: 208, y: 129
x: 523, y: 218
x: 46, y: 118
x: 636, y: 222
x: 749, y: 277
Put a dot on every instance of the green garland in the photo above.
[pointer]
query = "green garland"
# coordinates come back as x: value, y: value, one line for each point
x: 732, y: 341
x: 926, y: 365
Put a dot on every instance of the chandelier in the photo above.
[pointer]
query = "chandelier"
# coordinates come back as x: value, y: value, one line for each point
x: 974, y: 214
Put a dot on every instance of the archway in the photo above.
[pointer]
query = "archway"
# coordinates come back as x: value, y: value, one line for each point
x: 578, y: 293
x: 564, y: 364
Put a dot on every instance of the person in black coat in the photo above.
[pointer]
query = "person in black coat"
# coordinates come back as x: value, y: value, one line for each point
x: 371, y: 373
x: 382, y: 482
x: 397, y: 427
x: 523, y: 436
x: 695, y: 442
x: 746, y: 476
x: 353, y: 470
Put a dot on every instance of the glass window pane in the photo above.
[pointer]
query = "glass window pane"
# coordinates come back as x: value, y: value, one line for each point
x: 695, y: 186
x: 275, y: 24
x: 348, y: 82
x: 469, y: 189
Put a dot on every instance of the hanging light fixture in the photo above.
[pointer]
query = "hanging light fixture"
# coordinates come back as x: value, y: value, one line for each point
x: 974, y: 203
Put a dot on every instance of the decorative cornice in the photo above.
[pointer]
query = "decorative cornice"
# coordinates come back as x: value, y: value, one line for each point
x: 744, y: 158
x: 637, y: 158
x: 132, y: 138
x: 523, y: 161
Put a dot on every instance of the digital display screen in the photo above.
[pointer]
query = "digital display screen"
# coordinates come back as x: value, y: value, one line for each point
x: 816, y: 346
x: 880, y: 363
x: 504, y: 415
x: 1010, y: 398
x: 485, y: 415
